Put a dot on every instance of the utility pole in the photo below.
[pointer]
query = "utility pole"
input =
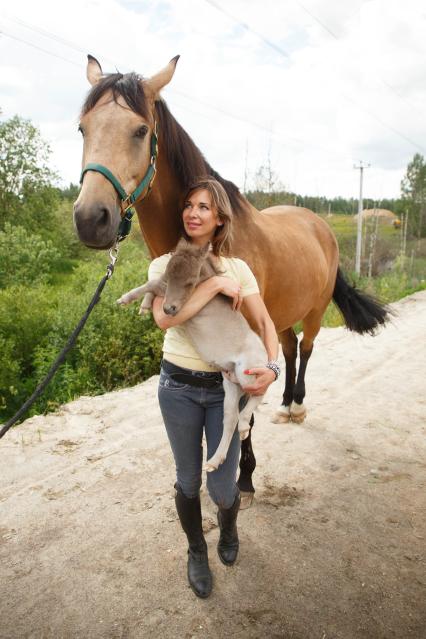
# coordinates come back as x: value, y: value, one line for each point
x: 246, y: 169
x: 361, y: 168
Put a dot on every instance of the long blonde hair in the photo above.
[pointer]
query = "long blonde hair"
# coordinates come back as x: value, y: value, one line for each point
x: 221, y: 241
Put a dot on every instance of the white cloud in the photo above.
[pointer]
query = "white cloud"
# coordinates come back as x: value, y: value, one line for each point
x: 355, y: 93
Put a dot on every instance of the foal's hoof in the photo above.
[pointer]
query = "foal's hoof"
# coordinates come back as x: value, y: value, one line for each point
x: 282, y: 416
x: 144, y: 311
x: 297, y: 413
x: 214, y: 463
x: 244, y: 434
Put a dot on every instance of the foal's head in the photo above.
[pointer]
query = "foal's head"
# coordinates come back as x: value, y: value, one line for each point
x: 188, y: 266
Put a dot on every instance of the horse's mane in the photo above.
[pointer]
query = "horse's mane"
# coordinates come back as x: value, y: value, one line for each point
x: 184, y: 156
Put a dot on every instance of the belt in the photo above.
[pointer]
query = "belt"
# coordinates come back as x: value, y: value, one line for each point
x: 199, y: 379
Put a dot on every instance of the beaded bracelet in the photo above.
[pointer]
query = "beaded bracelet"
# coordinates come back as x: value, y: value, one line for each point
x: 274, y: 366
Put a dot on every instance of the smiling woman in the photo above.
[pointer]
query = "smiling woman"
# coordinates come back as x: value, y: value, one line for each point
x: 194, y: 398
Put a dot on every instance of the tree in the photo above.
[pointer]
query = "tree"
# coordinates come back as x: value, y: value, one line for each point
x: 413, y: 191
x: 27, y: 196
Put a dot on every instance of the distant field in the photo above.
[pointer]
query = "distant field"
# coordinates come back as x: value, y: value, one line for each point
x: 394, y: 275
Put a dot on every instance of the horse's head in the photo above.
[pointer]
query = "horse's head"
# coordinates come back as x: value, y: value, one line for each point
x: 117, y: 123
x: 188, y: 266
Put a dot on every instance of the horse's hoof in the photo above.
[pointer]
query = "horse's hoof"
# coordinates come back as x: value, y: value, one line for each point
x: 297, y: 413
x: 244, y: 434
x: 246, y: 499
x: 282, y: 416
x: 279, y: 418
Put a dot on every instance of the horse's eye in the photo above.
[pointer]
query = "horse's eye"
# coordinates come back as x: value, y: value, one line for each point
x: 80, y: 128
x: 141, y: 132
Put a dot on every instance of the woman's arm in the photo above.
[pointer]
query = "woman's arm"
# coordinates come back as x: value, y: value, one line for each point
x: 259, y: 315
x: 202, y: 294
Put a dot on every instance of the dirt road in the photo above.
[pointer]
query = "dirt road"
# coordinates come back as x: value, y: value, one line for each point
x: 333, y: 547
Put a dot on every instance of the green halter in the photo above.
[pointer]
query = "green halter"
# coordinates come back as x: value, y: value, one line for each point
x: 127, y: 201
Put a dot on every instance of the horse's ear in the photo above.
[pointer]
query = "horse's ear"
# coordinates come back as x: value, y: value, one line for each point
x: 158, y: 81
x: 94, y: 70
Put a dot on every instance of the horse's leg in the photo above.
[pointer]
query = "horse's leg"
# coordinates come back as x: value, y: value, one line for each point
x: 288, y: 341
x: 247, y: 466
x: 311, y: 327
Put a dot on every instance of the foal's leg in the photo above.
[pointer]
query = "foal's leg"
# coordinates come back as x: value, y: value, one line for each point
x: 288, y: 341
x: 311, y: 327
x: 230, y: 418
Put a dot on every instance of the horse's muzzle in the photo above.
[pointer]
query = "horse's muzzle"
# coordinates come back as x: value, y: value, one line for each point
x: 96, y: 228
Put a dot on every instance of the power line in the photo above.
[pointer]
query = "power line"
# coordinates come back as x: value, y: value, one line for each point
x: 278, y: 135
x: 324, y: 26
x: 386, y: 84
x: 48, y: 34
x: 245, y: 26
x: 282, y: 52
x: 30, y: 44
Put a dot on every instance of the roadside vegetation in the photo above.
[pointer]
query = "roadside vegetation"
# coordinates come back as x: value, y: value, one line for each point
x: 47, y: 277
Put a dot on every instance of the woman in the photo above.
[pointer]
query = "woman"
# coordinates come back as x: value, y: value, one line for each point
x: 190, y: 390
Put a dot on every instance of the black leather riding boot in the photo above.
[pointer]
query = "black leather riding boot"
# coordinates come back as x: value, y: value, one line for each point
x: 228, y: 545
x: 189, y: 511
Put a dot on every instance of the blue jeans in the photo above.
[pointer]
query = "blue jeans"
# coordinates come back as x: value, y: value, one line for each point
x: 187, y: 411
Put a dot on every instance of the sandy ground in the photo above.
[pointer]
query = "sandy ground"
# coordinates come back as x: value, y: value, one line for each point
x: 333, y: 546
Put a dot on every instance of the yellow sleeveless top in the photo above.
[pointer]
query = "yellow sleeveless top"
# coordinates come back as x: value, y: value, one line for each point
x: 177, y: 348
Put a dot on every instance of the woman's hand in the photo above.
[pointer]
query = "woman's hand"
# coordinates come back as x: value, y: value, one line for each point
x: 264, y: 377
x: 232, y: 289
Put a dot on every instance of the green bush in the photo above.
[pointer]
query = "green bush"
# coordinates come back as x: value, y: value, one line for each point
x: 116, y: 348
x: 26, y: 258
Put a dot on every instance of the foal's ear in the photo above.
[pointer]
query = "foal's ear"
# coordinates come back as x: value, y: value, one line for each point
x: 94, y: 70
x: 154, y: 84
x: 182, y: 244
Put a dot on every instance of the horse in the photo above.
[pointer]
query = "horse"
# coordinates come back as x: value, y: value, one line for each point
x: 292, y: 252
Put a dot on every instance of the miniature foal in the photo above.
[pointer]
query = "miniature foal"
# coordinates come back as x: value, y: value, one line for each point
x: 233, y: 350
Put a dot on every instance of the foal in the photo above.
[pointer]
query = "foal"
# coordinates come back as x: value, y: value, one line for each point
x: 236, y: 348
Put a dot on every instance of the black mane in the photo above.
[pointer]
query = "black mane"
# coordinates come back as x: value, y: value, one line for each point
x: 183, y: 155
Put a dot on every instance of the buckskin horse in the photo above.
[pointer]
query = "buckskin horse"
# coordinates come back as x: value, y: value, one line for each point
x: 292, y: 251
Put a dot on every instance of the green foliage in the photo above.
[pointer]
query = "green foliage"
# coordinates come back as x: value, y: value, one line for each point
x: 70, y: 192
x: 413, y: 189
x: 116, y: 348
x: 26, y: 258
x: 26, y: 191
x: 338, y: 205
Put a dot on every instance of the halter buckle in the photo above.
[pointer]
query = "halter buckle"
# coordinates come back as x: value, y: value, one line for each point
x: 126, y: 205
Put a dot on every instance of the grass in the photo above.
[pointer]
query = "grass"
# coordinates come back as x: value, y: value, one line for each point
x: 395, y: 277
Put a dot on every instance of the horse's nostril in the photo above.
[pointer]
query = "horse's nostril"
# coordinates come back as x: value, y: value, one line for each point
x: 103, y: 218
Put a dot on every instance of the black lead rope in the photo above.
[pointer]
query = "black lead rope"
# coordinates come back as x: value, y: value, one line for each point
x: 71, y: 341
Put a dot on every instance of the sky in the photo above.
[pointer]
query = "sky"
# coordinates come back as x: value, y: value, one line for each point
x: 313, y: 87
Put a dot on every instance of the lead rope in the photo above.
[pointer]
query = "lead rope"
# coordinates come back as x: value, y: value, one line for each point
x: 71, y: 341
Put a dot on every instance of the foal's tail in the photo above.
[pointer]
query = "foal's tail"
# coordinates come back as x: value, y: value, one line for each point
x: 362, y: 313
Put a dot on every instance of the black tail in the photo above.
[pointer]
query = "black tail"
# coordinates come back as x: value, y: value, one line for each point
x: 362, y: 313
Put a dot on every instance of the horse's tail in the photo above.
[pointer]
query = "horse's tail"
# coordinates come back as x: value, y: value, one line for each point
x: 362, y: 312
